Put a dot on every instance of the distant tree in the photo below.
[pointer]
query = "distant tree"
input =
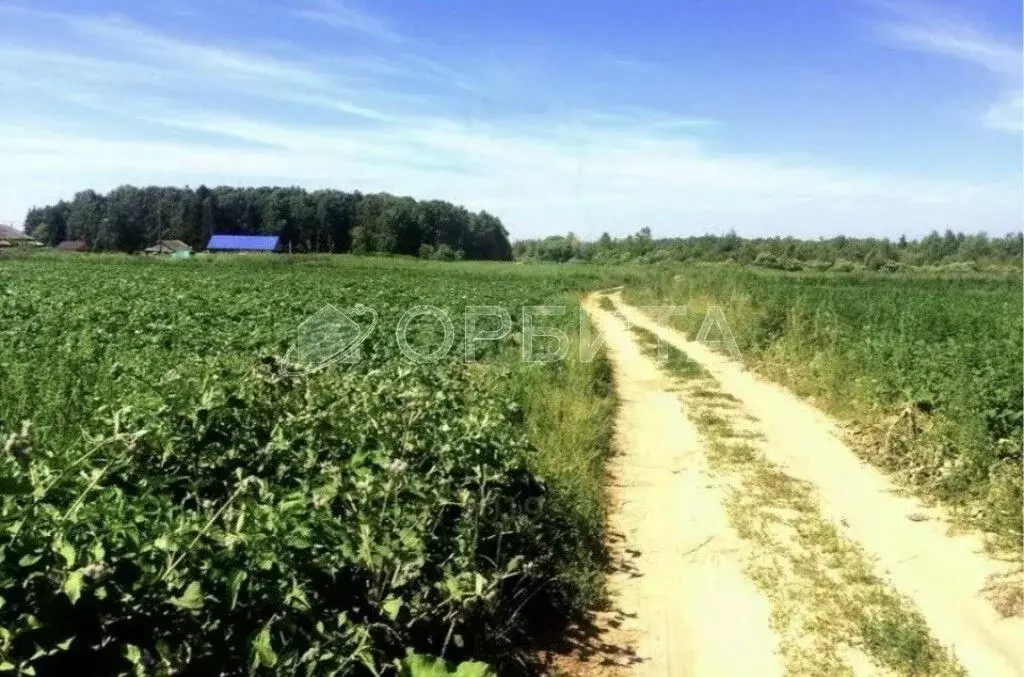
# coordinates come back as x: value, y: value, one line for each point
x: 55, y: 222
x: 488, y: 238
x: 130, y: 218
x: 839, y: 253
x: 361, y: 240
x: 447, y: 253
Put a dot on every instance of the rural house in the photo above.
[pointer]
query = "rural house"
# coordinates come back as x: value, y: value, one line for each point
x: 243, y: 243
x: 169, y: 247
x: 12, y: 237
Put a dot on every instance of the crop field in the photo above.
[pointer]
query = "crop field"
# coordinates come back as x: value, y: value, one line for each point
x: 924, y: 369
x: 177, y: 498
x: 186, y: 489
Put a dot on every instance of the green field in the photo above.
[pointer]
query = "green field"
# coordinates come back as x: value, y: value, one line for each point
x: 925, y: 369
x: 175, y: 496
x: 178, y: 497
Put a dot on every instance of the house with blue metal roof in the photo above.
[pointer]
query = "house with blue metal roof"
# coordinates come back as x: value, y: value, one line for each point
x: 243, y: 243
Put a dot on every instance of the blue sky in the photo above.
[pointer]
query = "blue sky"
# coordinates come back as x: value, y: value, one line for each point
x: 809, y: 117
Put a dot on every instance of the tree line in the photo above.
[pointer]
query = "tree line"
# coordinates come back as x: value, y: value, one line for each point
x: 785, y: 253
x: 131, y: 218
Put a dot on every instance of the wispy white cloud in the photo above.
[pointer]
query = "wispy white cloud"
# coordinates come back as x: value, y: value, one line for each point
x: 173, y: 110
x: 342, y: 14
x: 144, y: 60
x: 927, y: 28
x: 125, y: 35
x: 578, y: 176
x: 1006, y: 115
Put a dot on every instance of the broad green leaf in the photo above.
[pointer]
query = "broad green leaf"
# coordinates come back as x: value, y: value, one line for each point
x: 73, y: 585
x: 132, y: 653
x: 474, y: 669
x: 191, y: 599
x: 262, y: 649
x: 297, y: 598
x: 65, y: 550
x: 392, y: 606
x: 417, y: 665
x: 164, y: 543
x: 98, y: 553
x: 29, y: 560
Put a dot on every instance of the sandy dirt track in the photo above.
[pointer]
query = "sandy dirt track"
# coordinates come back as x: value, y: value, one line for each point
x: 664, y: 508
x: 682, y: 602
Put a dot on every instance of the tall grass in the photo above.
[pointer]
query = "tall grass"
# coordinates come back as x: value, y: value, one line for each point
x: 569, y: 412
x: 926, y: 369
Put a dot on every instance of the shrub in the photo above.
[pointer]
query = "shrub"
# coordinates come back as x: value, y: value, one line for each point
x: 275, y: 521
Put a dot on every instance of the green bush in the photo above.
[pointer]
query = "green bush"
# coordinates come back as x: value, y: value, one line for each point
x: 275, y: 520
x: 174, y: 504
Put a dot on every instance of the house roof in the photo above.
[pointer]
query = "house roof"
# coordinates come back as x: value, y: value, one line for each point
x: 73, y: 246
x: 169, y: 246
x: 12, y: 234
x: 260, y: 243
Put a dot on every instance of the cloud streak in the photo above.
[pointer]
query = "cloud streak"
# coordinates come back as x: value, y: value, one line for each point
x: 338, y: 14
x: 158, y: 108
x: 927, y: 29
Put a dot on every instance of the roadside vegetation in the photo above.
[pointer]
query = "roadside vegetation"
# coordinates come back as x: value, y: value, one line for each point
x: 924, y: 369
x: 176, y: 498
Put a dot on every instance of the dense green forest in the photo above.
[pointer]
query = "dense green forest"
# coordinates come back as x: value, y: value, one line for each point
x: 784, y: 253
x: 131, y: 218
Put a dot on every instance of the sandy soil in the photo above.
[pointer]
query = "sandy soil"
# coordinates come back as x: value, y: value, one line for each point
x: 682, y: 605
x: 661, y: 492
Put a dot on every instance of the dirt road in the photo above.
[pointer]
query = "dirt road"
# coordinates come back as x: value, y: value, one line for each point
x: 686, y: 608
x: 758, y: 543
